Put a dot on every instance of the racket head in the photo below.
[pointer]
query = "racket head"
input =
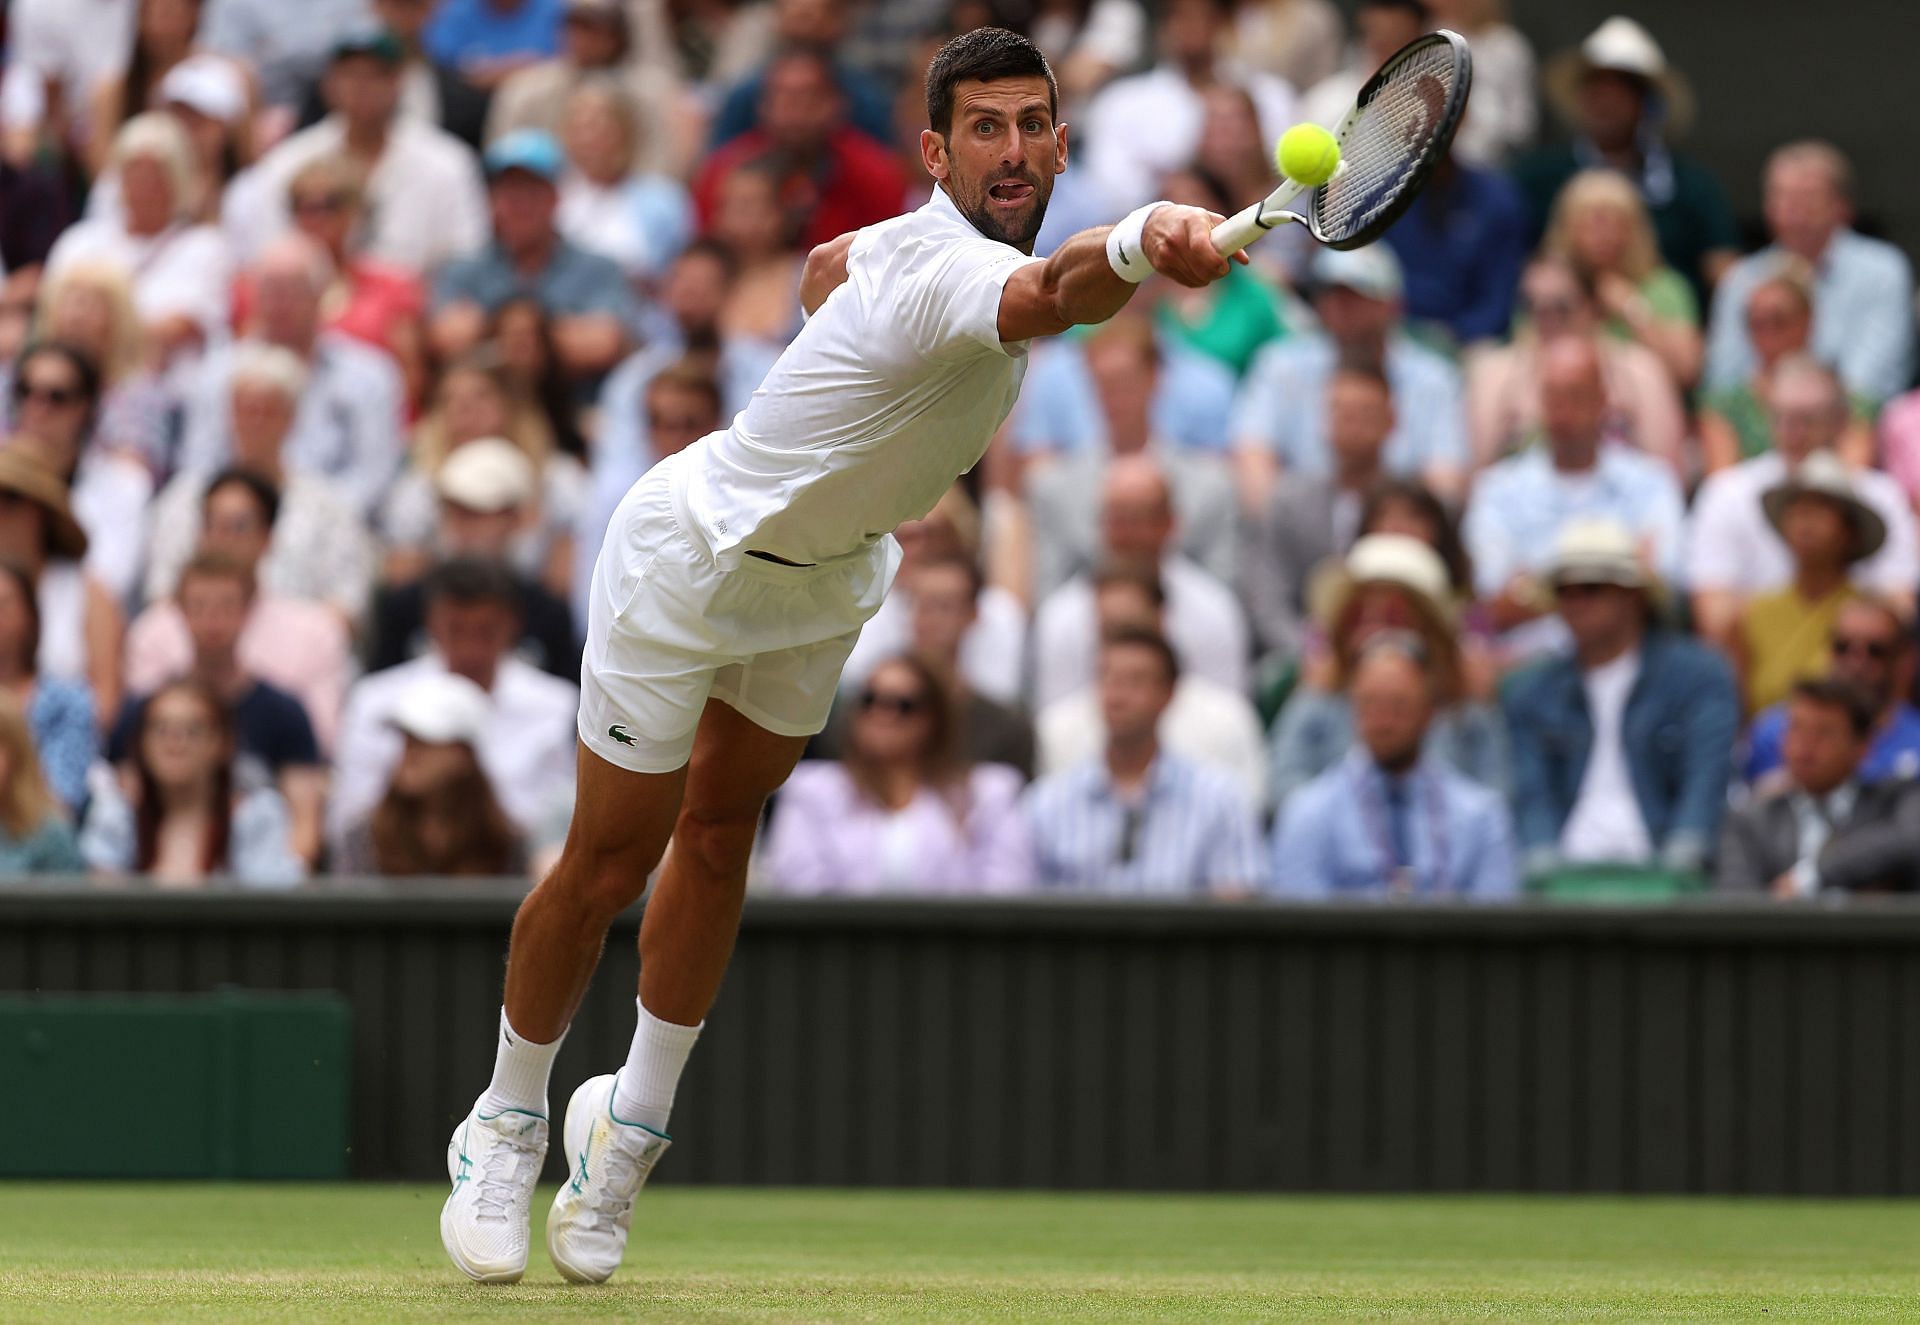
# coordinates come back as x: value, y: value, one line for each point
x: 1398, y: 132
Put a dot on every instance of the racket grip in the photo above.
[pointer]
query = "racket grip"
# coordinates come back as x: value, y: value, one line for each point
x: 1238, y: 230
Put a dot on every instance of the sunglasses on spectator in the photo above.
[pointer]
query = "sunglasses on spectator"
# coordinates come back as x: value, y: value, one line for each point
x: 60, y: 396
x: 900, y: 706
x: 1877, y: 649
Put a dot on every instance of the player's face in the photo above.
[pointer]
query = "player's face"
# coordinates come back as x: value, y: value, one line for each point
x: 1001, y: 157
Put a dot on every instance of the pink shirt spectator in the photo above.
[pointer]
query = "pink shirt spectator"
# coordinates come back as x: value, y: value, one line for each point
x: 828, y: 838
x: 1503, y: 401
x: 1900, y: 443
x: 300, y: 646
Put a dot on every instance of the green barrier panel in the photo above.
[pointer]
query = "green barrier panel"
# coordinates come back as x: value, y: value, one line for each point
x: 1613, y: 884
x: 229, y: 1085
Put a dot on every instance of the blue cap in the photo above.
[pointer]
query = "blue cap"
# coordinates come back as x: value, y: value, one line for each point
x: 532, y: 150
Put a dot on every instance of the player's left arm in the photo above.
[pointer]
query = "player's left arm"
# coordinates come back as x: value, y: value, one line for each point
x: 825, y: 271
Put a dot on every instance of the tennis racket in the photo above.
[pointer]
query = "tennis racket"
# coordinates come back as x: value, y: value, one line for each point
x: 1397, y: 132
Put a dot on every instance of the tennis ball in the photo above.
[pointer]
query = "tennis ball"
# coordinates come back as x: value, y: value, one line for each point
x: 1307, y: 154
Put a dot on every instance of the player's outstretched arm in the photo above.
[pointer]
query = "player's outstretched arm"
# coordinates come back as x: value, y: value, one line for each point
x: 1077, y: 285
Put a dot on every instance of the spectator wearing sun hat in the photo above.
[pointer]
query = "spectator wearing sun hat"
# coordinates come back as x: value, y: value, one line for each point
x: 1623, y: 749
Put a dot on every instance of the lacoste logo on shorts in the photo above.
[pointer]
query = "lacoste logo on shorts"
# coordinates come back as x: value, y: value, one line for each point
x: 622, y: 735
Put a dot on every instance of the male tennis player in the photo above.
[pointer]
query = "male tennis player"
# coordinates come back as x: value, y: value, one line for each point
x: 733, y: 582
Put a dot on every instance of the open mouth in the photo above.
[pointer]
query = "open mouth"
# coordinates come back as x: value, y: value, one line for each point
x: 1010, y: 192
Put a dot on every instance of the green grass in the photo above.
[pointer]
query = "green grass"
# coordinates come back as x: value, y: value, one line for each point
x: 101, y: 1253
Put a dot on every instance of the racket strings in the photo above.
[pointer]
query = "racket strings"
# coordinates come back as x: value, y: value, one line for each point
x: 1387, y: 145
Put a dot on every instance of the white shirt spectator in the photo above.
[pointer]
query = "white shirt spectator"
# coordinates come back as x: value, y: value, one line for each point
x: 1205, y: 723
x: 1203, y: 623
x: 1605, y: 824
x: 527, y: 749
x: 1140, y: 128
x: 110, y: 495
x: 184, y: 271
x: 991, y: 656
x: 287, y: 43
x: 1732, y: 547
x: 77, y: 44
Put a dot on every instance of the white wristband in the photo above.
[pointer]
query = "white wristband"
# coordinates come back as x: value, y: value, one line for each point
x: 1125, y: 252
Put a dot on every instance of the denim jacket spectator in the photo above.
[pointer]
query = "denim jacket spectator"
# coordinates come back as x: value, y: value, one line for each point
x: 1681, y: 720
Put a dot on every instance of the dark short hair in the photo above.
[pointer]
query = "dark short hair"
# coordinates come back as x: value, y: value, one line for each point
x: 1850, y: 699
x: 986, y: 54
x: 1413, y: 9
x: 208, y: 564
x: 1141, y: 575
x: 1411, y: 491
x: 258, y: 486
x: 691, y: 376
x: 469, y: 581
x: 706, y: 246
x: 1142, y: 637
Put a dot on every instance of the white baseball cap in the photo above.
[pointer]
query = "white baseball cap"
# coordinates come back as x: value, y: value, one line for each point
x: 208, y: 84
x: 489, y: 476
x: 442, y: 710
x: 1372, y: 271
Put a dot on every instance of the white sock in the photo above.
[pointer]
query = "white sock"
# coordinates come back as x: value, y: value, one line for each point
x: 643, y: 1093
x: 520, y: 1072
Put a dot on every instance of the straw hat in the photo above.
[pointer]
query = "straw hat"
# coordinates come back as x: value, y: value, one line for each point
x: 1395, y: 559
x: 1603, y: 551
x: 26, y: 475
x: 1619, y: 46
x: 1823, y: 474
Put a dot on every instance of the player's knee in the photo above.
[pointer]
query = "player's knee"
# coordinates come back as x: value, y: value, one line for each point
x: 600, y: 883
x: 718, y: 841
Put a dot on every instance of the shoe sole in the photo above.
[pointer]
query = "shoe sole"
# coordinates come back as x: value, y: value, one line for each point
x: 449, y: 1242
x: 571, y: 1273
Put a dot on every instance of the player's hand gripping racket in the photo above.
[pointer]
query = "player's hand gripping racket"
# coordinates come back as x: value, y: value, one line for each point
x: 1390, y: 142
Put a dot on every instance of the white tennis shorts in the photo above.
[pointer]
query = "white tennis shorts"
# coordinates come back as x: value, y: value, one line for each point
x: 668, y: 626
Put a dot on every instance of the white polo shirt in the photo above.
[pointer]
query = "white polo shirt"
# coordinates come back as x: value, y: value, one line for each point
x: 890, y: 392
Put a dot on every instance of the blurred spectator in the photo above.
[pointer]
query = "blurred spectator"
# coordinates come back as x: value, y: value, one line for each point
x: 608, y: 205
x: 1624, y: 105
x: 58, y: 713
x: 1502, y: 116
x: 35, y: 837
x: 614, y: 45
x: 1621, y: 752
x: 1310, y: 518
x: 185, y: 817
x: 1087, y: 42
x: 36, y: 206
x: 216, y: 602
x: 439, y: 816
x: 1280, y: 421
x: 1734, y: 552
x: 1900, y: 443
x: 813, y: 25
x: 430, y: 91
x: 296, y: 644
x: 58, y: 51
x: 488, y: 41
x: 1827, y: 530
x: 1405, y: 506
x: 947, y: 591
x: 347, y: 426
x: 993, y: 654
x: 1462, y: 244
x: 179, y: 268
x: 1381, y: 27
x: 1600, y: 229
x: 163, y: 37
x: 1872, y: 649
x: 522, y: 336
x: 80, y: 621
x: 286, y: 46
x: 1060, y: 410
x: 1141, y: 127
x: 476, y: 405
x: 211, y: 98
x: 1862, y: 288
x: 1644, y: 408
x: 1205, y: 722
x: 527, y: 747
x: 593, y: 309
x: 89, y: 306
x: 763, y: 300
x: 1520, y: 505
x: 1388, y: 821
x: 424, y: 202
x: 1297, y: 40
x: 829, y: 177
x: 1203, y: 617
x: 1137, y: 818
x: 487, y: 495
x: 1829, y: 828
x: 318, y: 549
x: 901, y: 810
x: 1388, y: 582
x: 1061, y: 493
x: 55, y: 398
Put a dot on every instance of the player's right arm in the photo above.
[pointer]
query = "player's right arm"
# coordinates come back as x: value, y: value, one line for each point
x: 1077, y: 285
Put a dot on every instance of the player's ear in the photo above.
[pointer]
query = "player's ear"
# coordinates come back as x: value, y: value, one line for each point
x: 933, y: 154
x: 1060, y: 144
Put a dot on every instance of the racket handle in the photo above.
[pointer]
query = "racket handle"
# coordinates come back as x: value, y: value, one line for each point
x: 1253, y: 221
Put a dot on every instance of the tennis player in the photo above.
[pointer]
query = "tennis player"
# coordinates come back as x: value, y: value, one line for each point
x: 731, y: 586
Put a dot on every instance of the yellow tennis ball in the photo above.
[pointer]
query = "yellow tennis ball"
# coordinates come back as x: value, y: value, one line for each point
x: 1307, y: 154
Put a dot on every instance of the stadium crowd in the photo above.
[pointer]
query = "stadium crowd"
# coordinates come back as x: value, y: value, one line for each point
x: 1551, y: 535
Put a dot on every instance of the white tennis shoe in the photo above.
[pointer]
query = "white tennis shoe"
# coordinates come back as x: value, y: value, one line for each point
x: 493, y: 1164
x: 587, y: 1229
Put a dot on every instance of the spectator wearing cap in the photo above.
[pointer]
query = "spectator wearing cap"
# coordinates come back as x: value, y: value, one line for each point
x: 527, y: 746
x: 1388, y: 820
x: 81, y: 625
x: 1280, y: 419
x: 1862, y: 288
x: 425, y: 204
x: 1137, y: 818
x: 1734, y: 552
x: 593, y: 310
x: 180, y: 269
x: 1520, y: 505
x: 1622, y: 751
x: 828, y: 177
x: 347, y: 424
x: 1829, y: 829
x: 608, y: 204
x: 487, y: 496
x: 89, y: 306
x: 439, y: 816
x: 286, y: 46
x: 430, y: 91
x: 1624, y: 105
x: 297, y: 644
x: 1827, y: 530
x: 1387, y: 582
x: 1871, y: 648
x: 1644, y: 408
x: 215, y: 603
x: 802, y: 25
x: 490, y: 40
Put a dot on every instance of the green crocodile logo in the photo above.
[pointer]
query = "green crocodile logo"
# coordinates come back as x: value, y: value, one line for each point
x: 622, y: 735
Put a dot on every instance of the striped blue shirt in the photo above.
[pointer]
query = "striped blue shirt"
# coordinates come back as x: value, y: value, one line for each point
x: 1191, y: 830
